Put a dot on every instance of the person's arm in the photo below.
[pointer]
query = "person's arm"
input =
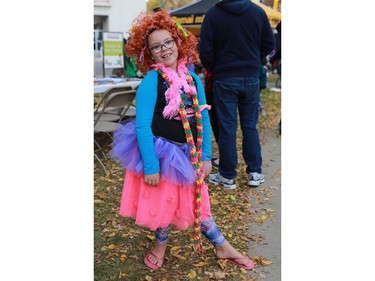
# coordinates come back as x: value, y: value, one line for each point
x: 267, y: 41
x: 205, y: 45
x: 277, y: 55
x: 145, y: 106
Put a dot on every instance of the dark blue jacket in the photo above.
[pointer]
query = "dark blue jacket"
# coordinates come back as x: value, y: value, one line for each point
x: 235, y: 36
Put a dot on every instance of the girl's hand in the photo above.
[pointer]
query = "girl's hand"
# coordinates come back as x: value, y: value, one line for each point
x: 206, y: 167
x: 153, y: 179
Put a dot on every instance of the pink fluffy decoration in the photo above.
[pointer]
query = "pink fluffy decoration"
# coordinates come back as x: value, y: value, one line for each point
x: 176, y: 81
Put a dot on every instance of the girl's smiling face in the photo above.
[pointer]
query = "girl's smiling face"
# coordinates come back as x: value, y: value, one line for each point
x: 163, y: 48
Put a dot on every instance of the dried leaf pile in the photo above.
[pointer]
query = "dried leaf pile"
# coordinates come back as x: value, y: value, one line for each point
x: 120, y: 245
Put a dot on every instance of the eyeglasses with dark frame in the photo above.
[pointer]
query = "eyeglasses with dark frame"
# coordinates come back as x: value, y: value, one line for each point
x: 157, y: 48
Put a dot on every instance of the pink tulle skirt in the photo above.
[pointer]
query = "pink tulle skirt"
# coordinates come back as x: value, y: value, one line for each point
x: 163, y: 205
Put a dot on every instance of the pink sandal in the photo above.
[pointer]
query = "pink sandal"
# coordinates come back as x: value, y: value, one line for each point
x: 150, y: 264
x: 250, y: 266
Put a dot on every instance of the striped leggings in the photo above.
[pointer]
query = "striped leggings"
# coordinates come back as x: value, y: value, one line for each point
x: 208, y: 228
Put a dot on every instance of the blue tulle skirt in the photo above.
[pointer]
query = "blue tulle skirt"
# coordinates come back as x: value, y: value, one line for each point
x: 174, y: 159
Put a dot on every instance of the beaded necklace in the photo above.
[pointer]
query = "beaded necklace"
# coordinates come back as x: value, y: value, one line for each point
x: 181, y: 83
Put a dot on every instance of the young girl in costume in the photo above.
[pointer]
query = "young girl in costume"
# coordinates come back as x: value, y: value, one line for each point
x: 167, y: 149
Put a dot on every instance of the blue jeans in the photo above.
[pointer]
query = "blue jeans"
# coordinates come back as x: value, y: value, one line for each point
x: 230, y: 94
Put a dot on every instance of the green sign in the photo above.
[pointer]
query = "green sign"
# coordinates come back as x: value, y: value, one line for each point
x: 113, y: 50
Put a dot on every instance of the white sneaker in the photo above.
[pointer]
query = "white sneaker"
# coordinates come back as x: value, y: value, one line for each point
x: 255, y: 179
x: 219, y: 179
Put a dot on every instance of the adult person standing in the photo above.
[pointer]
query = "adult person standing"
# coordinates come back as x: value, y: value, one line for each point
x: 235, y: 37
x: 276, y: 57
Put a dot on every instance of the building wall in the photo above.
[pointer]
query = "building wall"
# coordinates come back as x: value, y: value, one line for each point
x: 112, y: 16
x: 118, y: 14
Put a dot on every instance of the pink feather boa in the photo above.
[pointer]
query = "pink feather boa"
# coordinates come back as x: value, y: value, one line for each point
x: 176, y: 81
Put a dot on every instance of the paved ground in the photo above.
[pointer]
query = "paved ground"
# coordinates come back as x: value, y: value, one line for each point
x: 269, y: 247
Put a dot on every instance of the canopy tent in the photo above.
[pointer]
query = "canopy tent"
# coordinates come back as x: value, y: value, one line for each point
x: 191, y: 16
x: 273, y: 16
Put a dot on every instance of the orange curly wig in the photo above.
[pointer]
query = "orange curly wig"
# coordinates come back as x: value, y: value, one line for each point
x: 144, y: 24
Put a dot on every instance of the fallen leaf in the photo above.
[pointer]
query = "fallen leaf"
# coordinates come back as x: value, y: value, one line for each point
x: 123, y: 257
x: 112, y: 246
x: 179, y: 256
x: 151, y: 237
x: 253, y: 278
x: 262, y: 218
x: 175, y: 248
x: 200, y: 264
x: 214, y: 201
x: 266, y: 262
x: 219, y: 275
x: 192, y: 274
x: 261, y: 261
x: 222, y: 263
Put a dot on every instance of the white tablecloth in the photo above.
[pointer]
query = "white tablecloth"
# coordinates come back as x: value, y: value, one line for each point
x: 106, y: 83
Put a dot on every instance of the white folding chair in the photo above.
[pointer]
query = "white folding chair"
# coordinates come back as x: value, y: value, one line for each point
x: 109, y: 114
x: 119, y: 102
